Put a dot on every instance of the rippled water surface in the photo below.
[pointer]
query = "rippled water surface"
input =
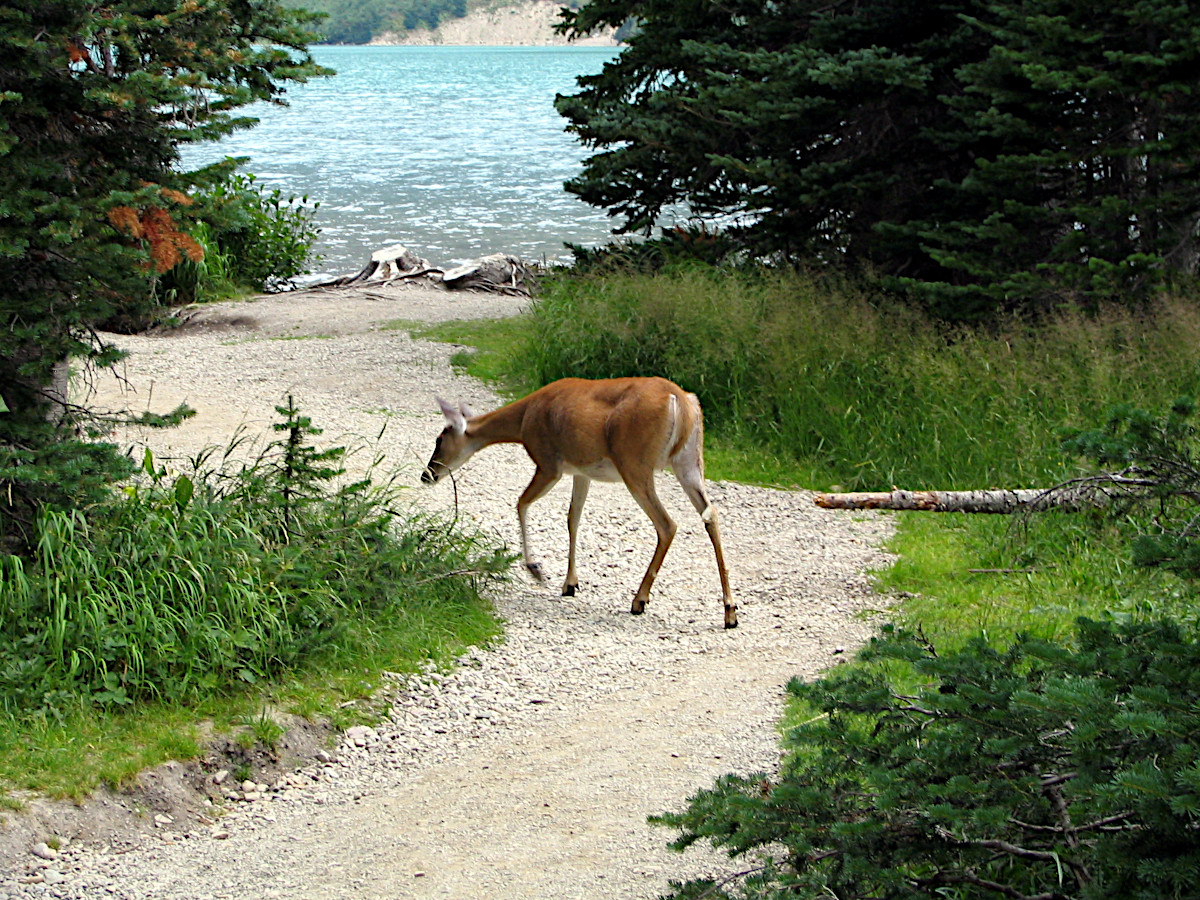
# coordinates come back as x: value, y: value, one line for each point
x: 453, y: 151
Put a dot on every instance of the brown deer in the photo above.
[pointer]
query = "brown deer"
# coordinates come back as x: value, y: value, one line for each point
x: 616, y: 429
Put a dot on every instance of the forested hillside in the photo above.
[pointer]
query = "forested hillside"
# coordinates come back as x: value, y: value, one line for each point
x: 358, y: 21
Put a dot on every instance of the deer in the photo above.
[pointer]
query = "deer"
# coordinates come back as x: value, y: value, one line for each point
x: 614, y: 430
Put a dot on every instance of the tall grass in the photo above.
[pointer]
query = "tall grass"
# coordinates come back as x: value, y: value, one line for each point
x: 208, y: 279
x: 863, y: 395
x: 190, y: 587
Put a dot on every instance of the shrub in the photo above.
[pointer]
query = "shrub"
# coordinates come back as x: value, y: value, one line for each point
x: 1037, y: 771
x: 191, y: 586
x: 252, y: 238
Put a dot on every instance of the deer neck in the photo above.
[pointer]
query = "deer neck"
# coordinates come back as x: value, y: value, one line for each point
x: 500, y: 426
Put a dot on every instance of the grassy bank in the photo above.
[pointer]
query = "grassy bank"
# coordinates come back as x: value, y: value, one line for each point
x: 847, y: 392
x: 214, y: 596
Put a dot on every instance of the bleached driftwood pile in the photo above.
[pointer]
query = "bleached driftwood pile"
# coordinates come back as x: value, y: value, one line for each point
x: 499, y: 272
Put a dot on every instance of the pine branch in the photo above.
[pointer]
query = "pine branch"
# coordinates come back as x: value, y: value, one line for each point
x: 969, y: 877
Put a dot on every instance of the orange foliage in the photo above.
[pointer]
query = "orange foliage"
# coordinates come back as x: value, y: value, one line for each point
x: 76, y: 53
x: 126, y: 219
x: 176, y: 196
x: 168, y: 245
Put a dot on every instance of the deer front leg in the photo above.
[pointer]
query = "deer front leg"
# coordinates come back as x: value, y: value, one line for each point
x: 542, y: 481
x: 579, y: 492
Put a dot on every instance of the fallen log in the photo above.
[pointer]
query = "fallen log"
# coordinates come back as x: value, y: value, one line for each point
x: 999, y: 502
x: 499, y: 273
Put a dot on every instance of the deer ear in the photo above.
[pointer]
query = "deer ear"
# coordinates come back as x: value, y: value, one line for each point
x: 466, y: 410
x: 456, y: 419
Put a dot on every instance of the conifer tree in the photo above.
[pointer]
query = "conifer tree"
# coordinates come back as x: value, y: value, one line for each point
x: 1037, y: 771
x: 95, y: 99
x: 980, y: 155
x: 1092, y: 187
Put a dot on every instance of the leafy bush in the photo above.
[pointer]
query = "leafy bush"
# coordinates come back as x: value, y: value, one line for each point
x: 190, y: 586
x: 252, y: 238
x: 1039, y: 771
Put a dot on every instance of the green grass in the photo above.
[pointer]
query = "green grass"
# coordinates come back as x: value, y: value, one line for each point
x: 77, y: 745
x: 213, y: 596
x: 848, y: 390
x: 72, y: 755
x: 812, y: 385
x: 490, y: 348
x: 961, y: 575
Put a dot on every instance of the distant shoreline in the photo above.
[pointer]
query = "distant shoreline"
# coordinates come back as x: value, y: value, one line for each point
x: 527, y: 25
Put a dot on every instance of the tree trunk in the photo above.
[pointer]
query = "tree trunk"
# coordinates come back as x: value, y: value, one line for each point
x: 1001, y: 502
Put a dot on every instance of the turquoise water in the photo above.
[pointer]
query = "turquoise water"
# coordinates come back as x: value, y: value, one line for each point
x: 455, y: 152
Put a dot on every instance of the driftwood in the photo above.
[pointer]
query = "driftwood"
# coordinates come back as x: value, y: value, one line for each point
x: 389, y: 264
x: 1086, y: 493
x: 499, y: 272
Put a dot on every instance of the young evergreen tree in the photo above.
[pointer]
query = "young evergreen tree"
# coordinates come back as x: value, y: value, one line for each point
x: 982, y: 155
x: 95, y: 98
x: 1038, y: 771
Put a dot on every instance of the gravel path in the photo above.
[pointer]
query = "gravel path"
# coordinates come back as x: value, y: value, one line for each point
x: 529, y: 771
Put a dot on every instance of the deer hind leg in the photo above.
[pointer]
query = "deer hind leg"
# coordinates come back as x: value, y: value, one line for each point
x: 642, y: 488
x: 543, y: 480
x: 579, y: 492
x: 689, y: 471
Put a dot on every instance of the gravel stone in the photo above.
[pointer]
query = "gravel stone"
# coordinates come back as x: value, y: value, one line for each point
x: 528, y: 771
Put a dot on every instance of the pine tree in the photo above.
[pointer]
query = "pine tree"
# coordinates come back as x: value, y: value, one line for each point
x: 1036, y: 771
x: 804, y: 123
x: 95, y: 99
x: 980, y: 156
x: 1093, y: 187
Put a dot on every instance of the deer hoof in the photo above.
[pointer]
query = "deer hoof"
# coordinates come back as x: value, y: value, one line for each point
x: 731, y: 617
x: 569, y: 590
x: 536, y: 571
x: 639, y: 607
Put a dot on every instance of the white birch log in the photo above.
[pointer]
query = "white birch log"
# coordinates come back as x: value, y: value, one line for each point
x: 1000, y: 502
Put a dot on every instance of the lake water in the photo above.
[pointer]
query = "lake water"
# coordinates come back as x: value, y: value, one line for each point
x: 455, y: 152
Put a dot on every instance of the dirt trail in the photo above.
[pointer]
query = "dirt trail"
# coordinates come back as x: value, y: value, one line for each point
x: 530, y: 772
